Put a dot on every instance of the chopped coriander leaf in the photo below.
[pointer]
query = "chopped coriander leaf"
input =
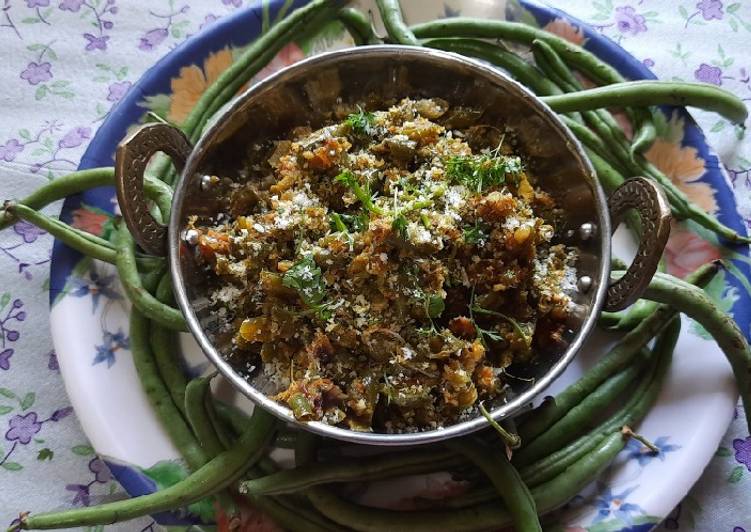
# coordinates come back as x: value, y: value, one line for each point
x: 356, y: 222
x: 474, y: 235
x: 400, y: 226
x: 434, y: 305
x: 515, y: 324
x: 306, y: 277
x: 337, y: 223
x: 361, y: 122
x: 482, y: 171
x: 363, y: 194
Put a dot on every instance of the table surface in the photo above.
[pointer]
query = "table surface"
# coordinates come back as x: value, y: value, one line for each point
x: 66, y: 63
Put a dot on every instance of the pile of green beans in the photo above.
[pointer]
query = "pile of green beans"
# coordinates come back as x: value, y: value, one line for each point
x: 565, y: 442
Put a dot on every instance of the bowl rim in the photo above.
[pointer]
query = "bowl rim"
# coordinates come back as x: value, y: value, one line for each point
x: 503, y: 411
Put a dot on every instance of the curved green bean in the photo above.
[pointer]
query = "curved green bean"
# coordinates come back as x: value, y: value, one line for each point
x: 696, y: 304
x: 157, y: 394
x: 197, y: 393
x: 350, y: 470
x: 631, y: 413
x: 580, y: 418
x: 644, y: 93
x: 215, y: 475
x: 645, y: 135
x: 393, y: 21
x: 577, y: 56
x: 519, y: 69
x: 61, y: 187
x: 86, y: 243
x: 125, y: 261
x: 504, y: 476
x: 358, y: 25
x: 629, y: 346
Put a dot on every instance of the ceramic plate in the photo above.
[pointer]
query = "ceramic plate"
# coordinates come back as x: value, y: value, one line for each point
x: 89, y: 313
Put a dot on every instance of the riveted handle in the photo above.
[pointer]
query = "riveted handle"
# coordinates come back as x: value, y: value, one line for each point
x: 648, y: 199
x: 131, y: 158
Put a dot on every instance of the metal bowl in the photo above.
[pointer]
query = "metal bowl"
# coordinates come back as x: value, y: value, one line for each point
x: 305, y: 94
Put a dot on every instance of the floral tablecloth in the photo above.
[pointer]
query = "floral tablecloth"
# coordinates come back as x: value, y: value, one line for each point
x: 66, y: 63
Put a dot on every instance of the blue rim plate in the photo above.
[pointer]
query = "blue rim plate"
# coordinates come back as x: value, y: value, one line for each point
x: 236, y: 31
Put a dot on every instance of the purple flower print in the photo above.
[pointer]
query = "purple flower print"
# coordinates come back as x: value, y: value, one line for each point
x: 82, y: 496
x: 629, y: 21
x: 96, y: 43
x: 22, y: 428
x: 101, y: 471
x: 75, y: 137
x: 117, y: 90
x: 37, y: 3
x: 37, y: 73
x: 648, y: 62
x: 208, y: 21
x: 27, y: 231
x: 61, y: 413
x: 10, y: 149
x: 233, y: 3
x: 152, y: 39
x: 5, y: 359
x: 708, y: 74
x: 743, y: 451
x: 71, y: 5
x: 710, y: 9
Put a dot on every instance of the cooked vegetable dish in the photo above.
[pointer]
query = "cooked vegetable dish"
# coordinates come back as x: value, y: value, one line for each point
x: 384, y: 271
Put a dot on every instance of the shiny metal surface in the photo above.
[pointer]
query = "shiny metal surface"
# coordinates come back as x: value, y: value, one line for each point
x: 131, y: 158
x: 306, y: 94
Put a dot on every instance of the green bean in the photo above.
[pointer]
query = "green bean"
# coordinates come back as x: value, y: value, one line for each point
x: 311, y: 16
x: 645, y: 135
x: 504, y: 476
x: 254, y: 58
x: 579, y: 418
x: 215, y: 475
x: 233, y: 416
x: 164, y: 346
x: 159, y: 398
x: 696, y: 304
x: 82, y: 241
x: 351, y: 470
x: 551, y: 63
x: 519, y: 69
x: 599, y: 155
x: 61, y: 187
x: 86, y: 243
x: 601, y: 121
x: 292, y: 518
x: 125, y: 261
x: 629, y: 346
x: 648, y: 92
x: 161, y: 194
x: 686, y: 208
x: 150, y: 279
x: 627, y: 319
x: 358, y: 25
x: 632, y: 412
x: 196, y: 396
x: 583, y: 60
x: 80, y: 181
x: 393, y: 21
